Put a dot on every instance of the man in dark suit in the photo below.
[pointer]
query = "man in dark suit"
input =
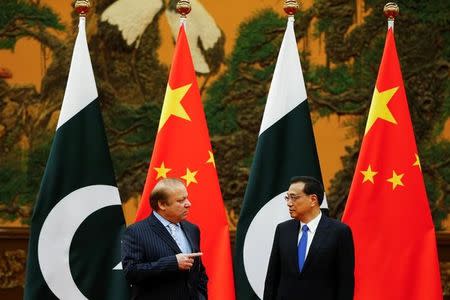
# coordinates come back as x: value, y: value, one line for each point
x: 312, y: 255
x: 161, y: 254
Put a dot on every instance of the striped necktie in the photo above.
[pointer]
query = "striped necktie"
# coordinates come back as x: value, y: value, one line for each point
x: 173, y: 228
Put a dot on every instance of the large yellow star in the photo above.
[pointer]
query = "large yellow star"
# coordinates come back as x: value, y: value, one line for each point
x: 162, y: 171
x: 189, y: 177
x: 211, y: 159
x: 172, y: 104
x: 369, y: 174
x: 396, y: 180
x: 379, y: 109
x: 417, y: 162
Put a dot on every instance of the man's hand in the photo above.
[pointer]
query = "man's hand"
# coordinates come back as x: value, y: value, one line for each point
x: 186, y: 260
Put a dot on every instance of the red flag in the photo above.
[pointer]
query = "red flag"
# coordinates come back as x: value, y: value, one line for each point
x: 182, y: 149
x: 387, y: 208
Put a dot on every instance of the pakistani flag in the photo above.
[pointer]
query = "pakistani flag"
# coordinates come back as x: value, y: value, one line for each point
x: 285, y: 148
x: 74, y: 248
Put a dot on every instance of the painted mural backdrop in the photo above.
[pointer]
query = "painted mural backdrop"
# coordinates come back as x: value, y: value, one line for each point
x: 124, y: 37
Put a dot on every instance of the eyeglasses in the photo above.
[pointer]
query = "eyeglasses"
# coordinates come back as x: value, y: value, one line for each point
x: 293, y: 197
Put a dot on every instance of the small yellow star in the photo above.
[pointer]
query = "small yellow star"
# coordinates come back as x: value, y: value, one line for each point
x: 396, y: 180
x: 211, y: 159
x: 189, y: 177
x: 162, y: 171
x: 172, y: 104
x: 369, y: 174
x: 417, y: 162
x: 379, y: 109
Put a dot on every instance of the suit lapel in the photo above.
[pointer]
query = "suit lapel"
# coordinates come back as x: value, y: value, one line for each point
x: 317, y: 242
x: 189, y: 237
x: 163, y: 233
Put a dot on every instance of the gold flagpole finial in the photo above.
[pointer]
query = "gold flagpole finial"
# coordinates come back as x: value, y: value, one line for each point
x: 290, y: 7
x: 183, y: 8
x: 391, y: 10
x: 82, y: 7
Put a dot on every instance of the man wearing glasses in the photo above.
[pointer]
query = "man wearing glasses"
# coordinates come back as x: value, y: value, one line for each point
x: 312, y: 255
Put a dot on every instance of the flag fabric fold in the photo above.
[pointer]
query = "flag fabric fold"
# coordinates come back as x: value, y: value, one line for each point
x: 286, y: 147
x: 183, y: 150
x: 387, y: 208
x: 74, y: 246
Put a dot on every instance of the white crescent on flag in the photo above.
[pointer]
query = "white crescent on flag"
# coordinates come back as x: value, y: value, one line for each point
x: 58, y: 230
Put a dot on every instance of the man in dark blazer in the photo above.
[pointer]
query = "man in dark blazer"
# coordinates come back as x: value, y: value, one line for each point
x: 161, y: 254
x: 312, y: 255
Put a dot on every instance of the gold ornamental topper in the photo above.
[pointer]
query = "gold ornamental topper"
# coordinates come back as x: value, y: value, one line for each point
x: 391, y: 10
x: 183, y: 7
x: 290, y: 7
x: 82, y: 7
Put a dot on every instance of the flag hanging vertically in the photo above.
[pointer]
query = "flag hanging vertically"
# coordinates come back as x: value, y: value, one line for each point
x: 387, y: 208
x: 74, y: 247
x: 286, y: 147
x: 183, y: 150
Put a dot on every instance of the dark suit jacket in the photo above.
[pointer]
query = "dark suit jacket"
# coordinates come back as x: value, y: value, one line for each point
x: 328, y: 272
x: 150, y: 265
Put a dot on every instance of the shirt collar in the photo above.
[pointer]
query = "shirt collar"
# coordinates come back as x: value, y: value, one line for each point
x: 312, y: 225
x: 164, y: 221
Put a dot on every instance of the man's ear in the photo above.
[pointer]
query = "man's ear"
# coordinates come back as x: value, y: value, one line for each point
x: 315, y: 199
x: 161, y: 205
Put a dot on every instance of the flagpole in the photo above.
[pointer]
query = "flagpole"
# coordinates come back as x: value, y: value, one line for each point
x: 391, y: 11
x: 183, y: 8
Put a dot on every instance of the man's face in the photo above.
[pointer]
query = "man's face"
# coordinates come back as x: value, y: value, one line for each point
x: 177, y: 206
x: 299, y: 204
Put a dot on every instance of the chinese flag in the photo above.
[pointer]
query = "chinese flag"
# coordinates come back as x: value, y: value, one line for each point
x: 387, y: 208
x: 182, y: 149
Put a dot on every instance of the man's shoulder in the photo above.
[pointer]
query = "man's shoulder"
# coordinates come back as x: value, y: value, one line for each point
x: 338, y: 225
x: 189, y: 225
x: 139, y: 225
x: 288, y: 224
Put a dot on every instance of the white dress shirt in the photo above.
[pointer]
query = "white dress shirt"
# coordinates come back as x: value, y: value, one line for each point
x: 179, y: 236
x: 312, y: 227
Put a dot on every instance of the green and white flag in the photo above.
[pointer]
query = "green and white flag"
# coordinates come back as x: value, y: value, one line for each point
x: 74, y: 247
x: 285, y: 148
